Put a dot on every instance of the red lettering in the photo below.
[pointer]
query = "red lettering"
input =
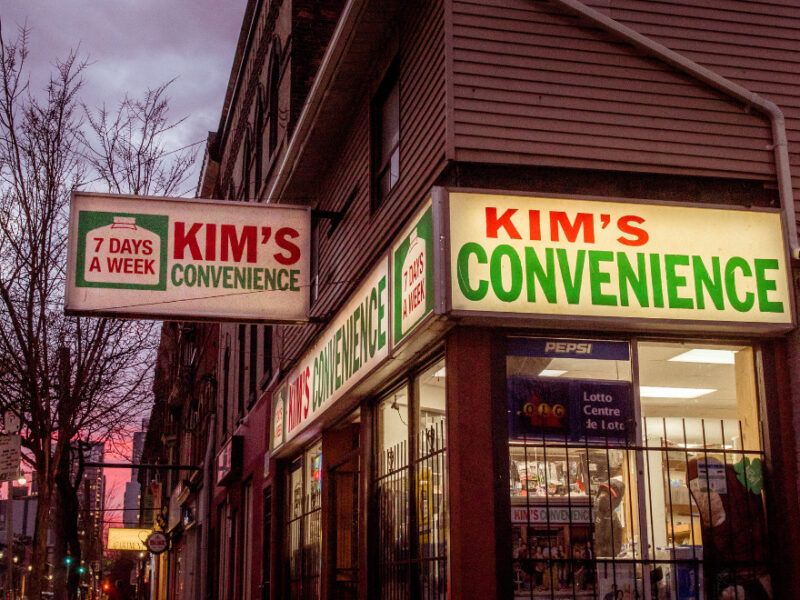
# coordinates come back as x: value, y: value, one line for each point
x: 283, y: 243
x: 493, y: 223
x: 535, y: 225
x: 238, y: 246
x: 188, y: 239
x: 147, y: 247
x: 99, y: 243
x: 641, y: 237
x: 560, y: 220
x: 306, y: 376
x: 211, y: 241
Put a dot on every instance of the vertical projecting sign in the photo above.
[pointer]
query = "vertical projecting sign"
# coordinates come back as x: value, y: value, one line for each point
x: 412, y: 275
x: 191, y: 259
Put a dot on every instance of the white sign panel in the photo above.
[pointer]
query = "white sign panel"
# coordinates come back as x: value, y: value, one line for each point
x: 354, y: 343
x: 531, y: 255
x: 188, y: 259
x: 9, y: 457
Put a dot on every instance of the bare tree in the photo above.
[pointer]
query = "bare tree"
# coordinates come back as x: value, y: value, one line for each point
x: 127, y: 148
x: 67, y: 378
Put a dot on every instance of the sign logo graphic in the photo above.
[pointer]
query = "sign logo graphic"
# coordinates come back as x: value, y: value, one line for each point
x: 122, y: 250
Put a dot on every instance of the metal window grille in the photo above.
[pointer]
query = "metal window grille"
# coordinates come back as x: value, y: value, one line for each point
x: 304, y: 547
x: 410, y: 494
x: 691, y: 525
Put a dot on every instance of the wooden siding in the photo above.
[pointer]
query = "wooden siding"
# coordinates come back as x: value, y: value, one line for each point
x: 355, y: 245
x: 533, y: 86
x: 755, y: 44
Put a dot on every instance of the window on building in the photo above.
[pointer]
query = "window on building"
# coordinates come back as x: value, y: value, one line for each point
x: 386, y: 136
x: 258, y: 129
x: 252, y: 391
x: 646, y: 490
x: 273, y: 97
x: 303, y: 536
x: 247, y: 160
x: 410, y: 485
x: 266, y: 352
x: 240, y: 388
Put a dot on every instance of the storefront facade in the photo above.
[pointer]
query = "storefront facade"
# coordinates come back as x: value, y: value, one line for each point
x: 552, y: 308
x: 613, y: 454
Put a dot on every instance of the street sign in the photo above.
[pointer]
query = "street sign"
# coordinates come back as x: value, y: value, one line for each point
x: 11, y: 422
x: 157, y: 542
x: 9, y: 457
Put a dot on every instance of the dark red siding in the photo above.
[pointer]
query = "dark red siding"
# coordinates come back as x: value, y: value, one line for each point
x: 534, y: 86
x: 362, y: 236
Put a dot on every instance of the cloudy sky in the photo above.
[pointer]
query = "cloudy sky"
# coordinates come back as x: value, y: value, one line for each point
x: 134, y: 45
x: 138, y: 44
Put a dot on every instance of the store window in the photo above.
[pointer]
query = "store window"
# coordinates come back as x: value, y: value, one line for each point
x: 410, y: 487
x: 303, y: 527
x: 584, y: 524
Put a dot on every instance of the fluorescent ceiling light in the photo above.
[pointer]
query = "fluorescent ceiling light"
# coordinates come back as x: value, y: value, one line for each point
x: 706, y: 355
x: 440, y: 373
x: 648, y: 391
x: 551, y: 373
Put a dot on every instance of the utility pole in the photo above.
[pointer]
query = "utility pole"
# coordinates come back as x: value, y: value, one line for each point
x: 11, y: 424
x: 10, y: 539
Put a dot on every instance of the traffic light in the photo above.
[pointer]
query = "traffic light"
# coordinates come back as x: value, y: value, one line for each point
x: 106, y: 586
x: 81, y: 570
x: 68, y: 560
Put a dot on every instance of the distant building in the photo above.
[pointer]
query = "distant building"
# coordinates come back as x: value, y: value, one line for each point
x: 91, y: 501
x: 133, y: 489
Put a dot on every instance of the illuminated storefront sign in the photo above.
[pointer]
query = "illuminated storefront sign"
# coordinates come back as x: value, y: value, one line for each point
x: 165, y: 258
x: 356, y: 341
x: 531, y: 255
x: 127, y: 539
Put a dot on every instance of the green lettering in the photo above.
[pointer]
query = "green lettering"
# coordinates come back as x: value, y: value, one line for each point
x: 202, y: 275
x: 176, y: 281
x: 572, y: 284
x: 597, y: 277
x: 496, y: 273
x: 239, y: 277
x: 710, y: 282
x: 226, y: 277
x: 282, y: 285
x: 190, y: 275
x: 764, y: 285
x: 545, y: 277
x: 373, y: 331
x: 655, y: 277
x: 636, y: 281
x: 269, y: 279
x: 355, y: 355
x: 462, y: 264
x: 337, y: 365
x: 675, y: 281
x: 381, y: 313
x: 737, y: 262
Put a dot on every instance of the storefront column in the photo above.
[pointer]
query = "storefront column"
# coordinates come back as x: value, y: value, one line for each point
x: 781, y: 370
x: 477, y: 455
